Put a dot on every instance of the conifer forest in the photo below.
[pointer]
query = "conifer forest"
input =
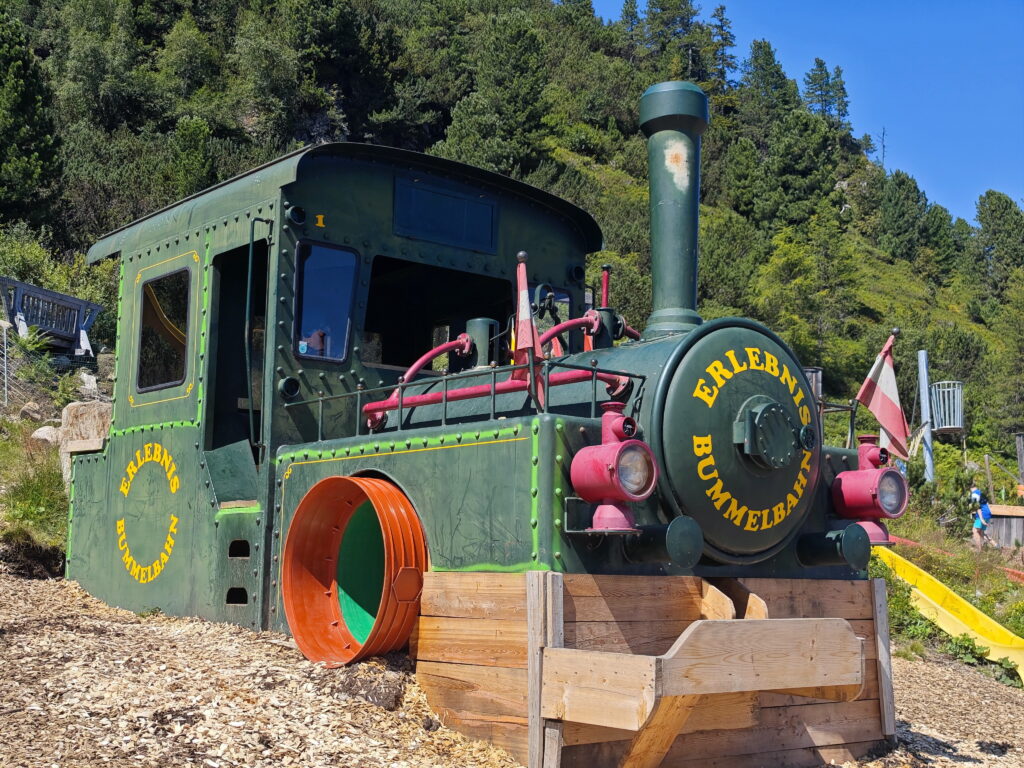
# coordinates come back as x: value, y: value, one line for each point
x: 111, y: 109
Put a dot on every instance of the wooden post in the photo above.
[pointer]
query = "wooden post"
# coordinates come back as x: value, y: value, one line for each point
x: 988, y: 479
x: 555, y: 638
x: 652, y: 742
x: 886, y: 700
x: 544, y: 628
x: 536, y: 636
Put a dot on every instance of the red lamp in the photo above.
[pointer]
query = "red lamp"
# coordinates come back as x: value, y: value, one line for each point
x: 617, y: 471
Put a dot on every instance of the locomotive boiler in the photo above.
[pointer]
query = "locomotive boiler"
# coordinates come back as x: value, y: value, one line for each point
x: 356, y: 365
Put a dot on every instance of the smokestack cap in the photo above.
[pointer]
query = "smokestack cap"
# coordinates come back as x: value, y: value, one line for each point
x: 675, y: 105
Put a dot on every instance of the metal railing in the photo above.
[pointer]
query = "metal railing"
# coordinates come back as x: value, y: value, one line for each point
x: 30, y: 376
x: 363, y: 395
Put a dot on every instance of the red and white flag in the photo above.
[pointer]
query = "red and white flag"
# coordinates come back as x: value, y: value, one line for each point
x: 878, y: 393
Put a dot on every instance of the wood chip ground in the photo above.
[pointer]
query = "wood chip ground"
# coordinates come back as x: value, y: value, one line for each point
x: 83, y: 685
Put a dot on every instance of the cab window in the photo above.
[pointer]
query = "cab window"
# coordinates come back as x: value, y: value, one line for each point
x: 163, y: 338
x: 326, y: 285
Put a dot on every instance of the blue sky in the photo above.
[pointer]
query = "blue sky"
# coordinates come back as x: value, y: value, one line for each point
x: 945, y: 80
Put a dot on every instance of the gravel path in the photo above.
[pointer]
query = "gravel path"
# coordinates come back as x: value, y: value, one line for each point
x: 83, y: 684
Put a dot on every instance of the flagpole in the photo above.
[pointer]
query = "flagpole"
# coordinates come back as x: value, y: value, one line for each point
x: 926, y: 415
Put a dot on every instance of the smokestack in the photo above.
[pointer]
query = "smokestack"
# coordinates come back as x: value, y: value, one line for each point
x: 673, y: 116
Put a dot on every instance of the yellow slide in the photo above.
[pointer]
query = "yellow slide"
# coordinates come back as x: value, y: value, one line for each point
x: 952, y: 613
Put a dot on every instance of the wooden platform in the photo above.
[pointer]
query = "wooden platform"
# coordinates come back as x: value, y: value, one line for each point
x: 591, y: 671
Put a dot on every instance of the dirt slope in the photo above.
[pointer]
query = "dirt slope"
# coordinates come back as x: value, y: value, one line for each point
x: 84, y: 685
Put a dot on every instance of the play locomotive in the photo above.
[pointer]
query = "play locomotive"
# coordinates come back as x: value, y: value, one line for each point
x: 330, y: 379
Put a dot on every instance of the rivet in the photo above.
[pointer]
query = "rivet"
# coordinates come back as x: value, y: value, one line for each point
x: 533, y: 555
x: 533, y: 492
x: 534, y: 460
x: 533, y: 523
x: 558, y: 458
x: 558, y: 555
x: 536, y: 428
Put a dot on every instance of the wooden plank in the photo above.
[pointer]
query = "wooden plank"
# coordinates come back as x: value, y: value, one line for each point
x: 715, y: 604
x: 869, y: 691
x: 1006, y: 510
x: 787, y: 728
x: 490, y: 642
x: 474, y: 595
x: 635, y: 637
x: 508, y: 732
x: 748, y: 605
x: 483, y: 690
x: 726, y: 711
x: 818, y: 728
x: 886, y: 699
x: 555, y: 625
x: 812, y: 757
x: 650, y: 744
x: 631, y: 598
x: 726, y: 656
x: 536, y: 636
x: 802, y: 599
x: 608, y: 689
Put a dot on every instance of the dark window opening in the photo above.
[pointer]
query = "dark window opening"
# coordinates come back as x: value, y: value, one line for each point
x: 163, y: 336
x: 414, y: 307
x: 238, y: 548
x: 326, y: 285
x: 237, y: 596
x: 226, y: 374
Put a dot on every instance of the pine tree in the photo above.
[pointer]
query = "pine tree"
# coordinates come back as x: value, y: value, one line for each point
x: 28, y: 164
x: 498, y: 125
x: 818, y: 90
x: 631, y: 28
x: 1001, y: 238
x: 902, y: 207
x: 725, y: 42
x: 766, y: 95
x: 937, y: 256
x: 840, y: 98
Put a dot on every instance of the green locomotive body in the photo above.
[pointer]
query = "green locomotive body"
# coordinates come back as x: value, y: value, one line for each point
x: 261, y: 321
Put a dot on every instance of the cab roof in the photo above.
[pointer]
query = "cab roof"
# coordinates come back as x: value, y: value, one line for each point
x: 258, y: 184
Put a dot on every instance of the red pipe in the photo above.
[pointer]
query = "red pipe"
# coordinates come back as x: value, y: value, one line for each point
x: 590, y: 323
x: 615, y: 385
x: 630, y: 332
x: 461, y: 345
x: 605, y: 272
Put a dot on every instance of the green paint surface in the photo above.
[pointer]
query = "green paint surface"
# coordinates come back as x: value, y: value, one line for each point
x: 360, y: 571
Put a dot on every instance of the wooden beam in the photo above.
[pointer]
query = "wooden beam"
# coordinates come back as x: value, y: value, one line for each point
x: 800, y: 598
x: 726, y: 656
x: 471, y: 688
x: 715, y: 604
x: 886, y: 699
x: 555, y: 605
x: 615, y: 690
x: 489, y: 642
x: 651, y: 638
x: 748, y: 605
x: 536, y: 635
x: 474, y: 596
x: 651, y: 743
x: 727, y: 711
x: 631, y: 598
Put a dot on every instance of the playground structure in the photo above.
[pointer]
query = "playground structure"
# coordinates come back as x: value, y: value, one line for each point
x: 952, y: 614
x: 360, y: 398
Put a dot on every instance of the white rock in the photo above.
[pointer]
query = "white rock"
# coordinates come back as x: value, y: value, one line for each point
x: 46, y: 436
